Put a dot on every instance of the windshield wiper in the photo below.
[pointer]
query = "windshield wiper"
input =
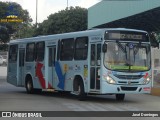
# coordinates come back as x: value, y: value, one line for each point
x: 124, y: 51
x: 120, y: 46
x: 137, y: 48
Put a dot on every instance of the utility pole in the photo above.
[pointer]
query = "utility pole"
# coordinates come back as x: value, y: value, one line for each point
x: 36, y: 11
x: 67, y: 4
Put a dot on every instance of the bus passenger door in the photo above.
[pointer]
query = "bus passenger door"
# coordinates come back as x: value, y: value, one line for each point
x: 51, y: 65
x: 95, y: 62
x: 21, y: 67
x: 12, y: 72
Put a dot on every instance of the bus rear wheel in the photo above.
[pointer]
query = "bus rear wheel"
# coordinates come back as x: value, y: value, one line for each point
x: 29, y: 87
x: 79, y: 91
x: 120, y: 97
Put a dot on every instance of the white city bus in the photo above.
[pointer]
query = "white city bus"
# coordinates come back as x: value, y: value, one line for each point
x: 99, y: 61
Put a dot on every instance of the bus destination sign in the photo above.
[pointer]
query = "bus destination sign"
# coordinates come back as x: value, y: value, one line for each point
x: 125, y: 36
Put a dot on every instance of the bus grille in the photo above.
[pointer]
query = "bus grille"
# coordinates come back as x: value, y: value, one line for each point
x: 129, y: 88
x: 129, y: 76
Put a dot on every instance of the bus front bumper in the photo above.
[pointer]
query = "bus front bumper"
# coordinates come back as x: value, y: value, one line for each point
x: 122, y: 89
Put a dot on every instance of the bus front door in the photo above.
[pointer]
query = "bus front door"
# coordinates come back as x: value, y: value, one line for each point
x: 51, y: 65
x: 21, y: 67
x: 95, y: 62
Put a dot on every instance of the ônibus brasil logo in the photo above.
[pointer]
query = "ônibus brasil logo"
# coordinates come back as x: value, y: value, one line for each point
x: 12, y: 15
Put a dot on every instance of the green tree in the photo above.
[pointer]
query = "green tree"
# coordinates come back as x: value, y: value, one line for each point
x: 158, y: 36
x: 68, y: 20
x: 4, y: 35
x: 13, y: 28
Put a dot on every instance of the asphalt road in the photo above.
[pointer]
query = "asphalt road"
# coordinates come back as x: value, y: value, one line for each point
x: 16, y: 99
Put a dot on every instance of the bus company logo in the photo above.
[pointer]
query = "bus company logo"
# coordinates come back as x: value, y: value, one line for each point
x: 21, y: 115
x: 6, y: 114
x: 11, y: 15
x: 129, y: 82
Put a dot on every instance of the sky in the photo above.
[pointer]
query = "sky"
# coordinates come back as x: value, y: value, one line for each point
x: 47, y: 7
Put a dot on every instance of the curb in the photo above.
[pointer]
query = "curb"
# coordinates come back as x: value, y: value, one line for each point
x: 155, y: 91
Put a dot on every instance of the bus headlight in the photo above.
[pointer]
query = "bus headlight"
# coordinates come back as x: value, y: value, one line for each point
x: 109, y: 80
x: 147, y: 80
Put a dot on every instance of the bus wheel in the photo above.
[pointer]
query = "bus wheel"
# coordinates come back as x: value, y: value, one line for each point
x: 80, y: 91
x: 120, y: 97
x: 29, y: 87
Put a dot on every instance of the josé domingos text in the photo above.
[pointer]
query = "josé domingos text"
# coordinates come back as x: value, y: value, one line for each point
x: 144, y: 115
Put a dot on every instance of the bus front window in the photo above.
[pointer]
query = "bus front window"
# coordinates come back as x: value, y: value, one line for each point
x: 127, y: 56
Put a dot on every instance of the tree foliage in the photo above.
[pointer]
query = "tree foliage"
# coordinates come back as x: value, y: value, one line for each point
x: 13, y: 28
x: 4, y: 35
x: 158, y: 36
x: 68, y: 20
x: 154, y: 39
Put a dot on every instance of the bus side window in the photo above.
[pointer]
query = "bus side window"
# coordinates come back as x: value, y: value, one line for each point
x: 40, y: 47
x: 30, y: 52
x: 67, y: 49
x: 59, y: 49
x: 13, y: 53
x: 52, y: 57
x: 81, y: 48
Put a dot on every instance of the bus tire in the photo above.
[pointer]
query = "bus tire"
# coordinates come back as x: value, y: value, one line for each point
x: 120, y: 97
x: 29, y: 87
x: 79, y: 90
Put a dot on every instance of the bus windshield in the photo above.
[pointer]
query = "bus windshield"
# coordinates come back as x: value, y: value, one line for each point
x: 127, y: 56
